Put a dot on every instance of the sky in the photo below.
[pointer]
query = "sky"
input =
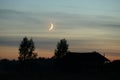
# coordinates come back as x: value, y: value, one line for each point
x: 87, y: 25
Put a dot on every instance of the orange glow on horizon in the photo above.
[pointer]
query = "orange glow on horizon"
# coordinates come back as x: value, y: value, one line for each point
x: 10, y: 52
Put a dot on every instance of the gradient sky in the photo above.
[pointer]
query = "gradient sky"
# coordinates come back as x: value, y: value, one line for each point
x: 88, y: 25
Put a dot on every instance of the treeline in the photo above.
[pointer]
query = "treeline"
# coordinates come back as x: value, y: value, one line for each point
x: 50, y: 63
x: 27, y: 48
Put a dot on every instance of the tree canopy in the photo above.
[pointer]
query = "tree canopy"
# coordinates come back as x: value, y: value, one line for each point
x: 62, y: 48
x: 26, y: 49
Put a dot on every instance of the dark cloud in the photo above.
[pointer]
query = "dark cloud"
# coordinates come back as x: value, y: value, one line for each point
x: 43, y: 43
x: 17, y: 16
x: 113, y: 25
x: 76, y: 20
x: 63, y: 19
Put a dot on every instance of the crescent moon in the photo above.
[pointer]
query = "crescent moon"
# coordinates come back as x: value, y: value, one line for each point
x: 51, y: 27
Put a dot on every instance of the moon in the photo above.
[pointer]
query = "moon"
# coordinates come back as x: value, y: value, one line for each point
x: 51, y: 27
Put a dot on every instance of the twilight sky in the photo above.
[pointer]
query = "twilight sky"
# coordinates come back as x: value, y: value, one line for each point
x: 88, y: 25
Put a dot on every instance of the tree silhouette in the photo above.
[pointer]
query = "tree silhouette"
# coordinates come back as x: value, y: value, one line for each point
x: 26, y: 49
x: 62, y: 48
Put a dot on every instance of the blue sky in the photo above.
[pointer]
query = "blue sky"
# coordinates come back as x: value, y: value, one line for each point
x: 88, y: 25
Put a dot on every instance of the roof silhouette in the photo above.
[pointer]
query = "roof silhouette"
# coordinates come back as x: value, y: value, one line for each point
x: 84, y: 58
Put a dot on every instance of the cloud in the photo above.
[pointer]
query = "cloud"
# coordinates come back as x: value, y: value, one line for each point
x: 43, y: 46
x: 62, y: 19
x: 40, y: 42
x: 8, y: 16
x: 77, y: 20
x: 113, y: 25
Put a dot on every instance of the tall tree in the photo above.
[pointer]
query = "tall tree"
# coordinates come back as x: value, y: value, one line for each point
x: 62, y: 48
x: 26, y: 49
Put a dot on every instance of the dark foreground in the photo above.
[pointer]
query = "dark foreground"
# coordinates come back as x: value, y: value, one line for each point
x: 45, y: 69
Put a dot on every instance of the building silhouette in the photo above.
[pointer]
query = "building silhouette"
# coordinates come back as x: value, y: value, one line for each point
x: 86, y: 60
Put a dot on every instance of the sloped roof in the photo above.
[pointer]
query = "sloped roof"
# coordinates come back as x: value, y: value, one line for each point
x: 87, y: 56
